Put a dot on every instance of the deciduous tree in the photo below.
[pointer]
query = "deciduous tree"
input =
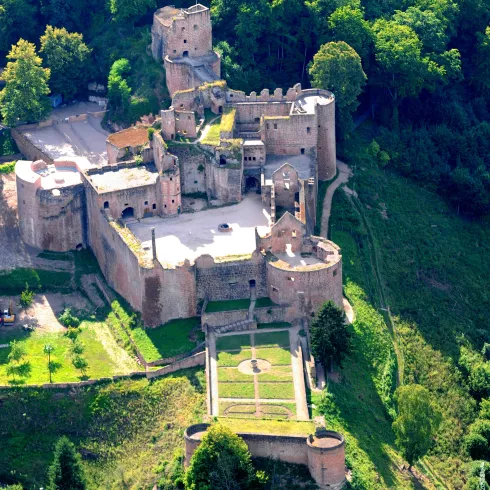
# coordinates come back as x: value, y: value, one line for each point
x: 24, y: 98
x: 68, y: 58
x: 337, y: 67
x: 130, y: 9
x: 221, y: 462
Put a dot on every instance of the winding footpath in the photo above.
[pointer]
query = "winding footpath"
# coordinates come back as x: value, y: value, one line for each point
x: 345, y: 173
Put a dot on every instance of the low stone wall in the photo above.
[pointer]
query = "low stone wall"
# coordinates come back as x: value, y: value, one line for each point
x: 273, y: 314
x: 189, y: 362
x: 221, y: 318
x: 28, y: 149
x: 170, y: 360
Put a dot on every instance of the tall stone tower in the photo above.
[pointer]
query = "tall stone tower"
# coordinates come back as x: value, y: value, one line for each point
x: 183, y: 39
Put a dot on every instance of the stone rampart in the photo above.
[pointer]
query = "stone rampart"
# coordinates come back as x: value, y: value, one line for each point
x: 27, y: 148
x: 230, y: 280
x: 192, y: 164
x: 198, y: 359
x: 323, y: 453
x: 221, y: 318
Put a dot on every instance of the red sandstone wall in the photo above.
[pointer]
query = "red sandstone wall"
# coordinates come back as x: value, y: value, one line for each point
x: 285, y: 194
x: 288, y: 135
x: 327, y: 158
x: 317, y: 286
x: 192, y: 33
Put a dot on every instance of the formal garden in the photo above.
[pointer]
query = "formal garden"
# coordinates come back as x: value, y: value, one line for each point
x: 255, y: 375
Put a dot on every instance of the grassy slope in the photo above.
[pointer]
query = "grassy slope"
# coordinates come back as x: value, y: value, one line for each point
x: 433, y: 265
x: 125, y: 426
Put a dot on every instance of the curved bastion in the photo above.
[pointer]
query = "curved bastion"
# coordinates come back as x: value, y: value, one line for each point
x: 323, y: 452
x: 51, y: 204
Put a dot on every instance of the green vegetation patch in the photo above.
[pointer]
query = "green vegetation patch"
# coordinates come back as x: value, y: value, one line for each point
x: 14, y: 282
x: 231, y: 342
x: 264, y: 302
x: 236, y: 390
x: 274, y: 325
x: 233, y: 374
x: 279, y: 427
x: 234, y: 409
x: 272, y: 339
x: 104, y: 357
x: 228, y: 119
x: 277, y: 373
x: 168, y: 340
x: 276, y: 356
x: 120, y: 425
x: 227, y: 305
x: 7, y: 168
x: 233, y: 359
x: 276, y: 390
x: 212, y: 136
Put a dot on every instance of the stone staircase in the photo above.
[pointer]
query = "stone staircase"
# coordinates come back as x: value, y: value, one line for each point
x: 236, y: 326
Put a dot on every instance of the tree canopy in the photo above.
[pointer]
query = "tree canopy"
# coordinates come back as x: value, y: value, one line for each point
x: 337, y: 67
x: 330, y: 338
x: 68, y: 58
x: 66, y: 471
x: 24, y: 98
x: 221, y: 462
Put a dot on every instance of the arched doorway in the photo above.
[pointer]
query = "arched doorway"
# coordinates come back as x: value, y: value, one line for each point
x: 127, y: 213
x: 252, y: 183
x: 222, y: 161
x: 185, y: 54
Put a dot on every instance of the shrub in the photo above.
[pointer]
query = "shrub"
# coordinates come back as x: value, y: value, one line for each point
x: 72, y: 333
x: 68, y: 319
x: 476, y: 446
x: 151, y: 131
x: 26, y: 297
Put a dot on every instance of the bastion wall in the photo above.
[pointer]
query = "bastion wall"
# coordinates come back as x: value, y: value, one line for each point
x: 325, y: 460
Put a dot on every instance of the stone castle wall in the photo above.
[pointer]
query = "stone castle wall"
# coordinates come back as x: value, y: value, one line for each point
x: 230, y: 280
x: 192, y: 164
x: 327, y: 151
x: 224, y: 183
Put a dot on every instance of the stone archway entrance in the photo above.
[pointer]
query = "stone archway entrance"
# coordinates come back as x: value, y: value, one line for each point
x: 127, y: 213
x: 252, y: 184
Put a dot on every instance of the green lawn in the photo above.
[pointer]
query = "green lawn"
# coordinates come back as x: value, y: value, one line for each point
x: 278, y: 373
x: 242, y: 410
x: 264, y: 302
x: 230, y: 342
x: 276, y: 356
x: 168, y: 340
x: 274, y: 325
x: 276, y: 390
x: 233, y: 374
x: 279, y: 427
x: 236, y: 390
x: 213, y: 135
x: 272, y: 339
x: 97, y: 340
x: 227, y: 305
x: 233, y: 359
x: 14, y: 282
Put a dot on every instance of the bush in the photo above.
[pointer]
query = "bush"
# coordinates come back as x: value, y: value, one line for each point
x: 476, y: 446
x: 151, y: 131
x: 68, y: 319
x: 26, y: 297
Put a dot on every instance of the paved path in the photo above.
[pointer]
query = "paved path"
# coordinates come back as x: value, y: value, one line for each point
x: 344, y: 175
x: 213, y: 374
x: 298, y: 374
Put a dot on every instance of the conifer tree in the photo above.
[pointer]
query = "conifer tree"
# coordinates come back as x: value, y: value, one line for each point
x: 66, y: 471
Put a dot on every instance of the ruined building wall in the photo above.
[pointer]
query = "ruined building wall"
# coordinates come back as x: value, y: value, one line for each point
x: 180, y: 76
x: 327, y: 152
x: 286, y: 185
x: 169, y: 194
x: 192, y: 164
x: 287, y: 135
x: 224, y: 183
x: 311, y: 287
x: 49, y: 222
x: 230, y: 280
x: 141, y: 199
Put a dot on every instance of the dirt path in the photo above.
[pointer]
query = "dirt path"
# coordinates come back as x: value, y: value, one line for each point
x: 343, y: 176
